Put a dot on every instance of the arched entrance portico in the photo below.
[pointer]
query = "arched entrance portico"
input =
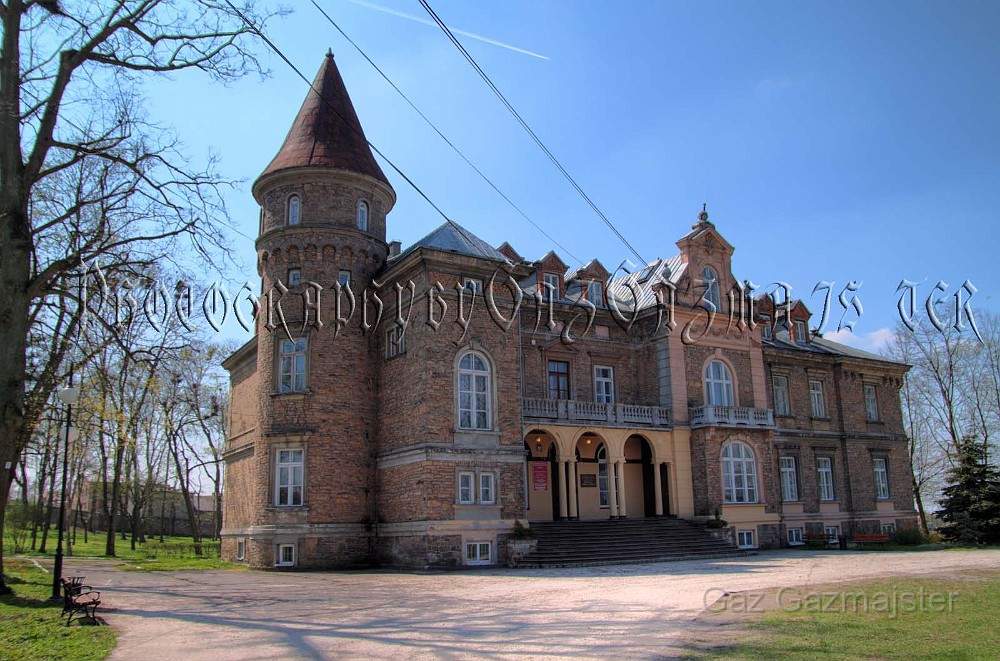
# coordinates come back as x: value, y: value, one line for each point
x: 640, y: 487
x: 542, y: 465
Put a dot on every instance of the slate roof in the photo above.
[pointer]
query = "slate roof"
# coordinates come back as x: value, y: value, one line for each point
x: 822, y: 346
x: 327, y: 132
x: 451, y: 237
x: 643, y: 280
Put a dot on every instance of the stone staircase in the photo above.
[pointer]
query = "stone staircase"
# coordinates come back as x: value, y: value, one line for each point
x: 624, y: 541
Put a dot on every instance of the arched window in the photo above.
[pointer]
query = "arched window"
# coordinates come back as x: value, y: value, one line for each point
x: 362, y: 215
x: 739, y: 473
x: 294, y: 210
x: 602, y: 475
x: 718, y: 384
x: 475, y: 397
x: 711, y: 280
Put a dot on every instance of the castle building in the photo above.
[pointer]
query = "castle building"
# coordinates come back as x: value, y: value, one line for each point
x: 408, y: 407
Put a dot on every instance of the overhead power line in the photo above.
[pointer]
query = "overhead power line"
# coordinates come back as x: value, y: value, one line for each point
x: 524, y: 124
x: 445, y: 138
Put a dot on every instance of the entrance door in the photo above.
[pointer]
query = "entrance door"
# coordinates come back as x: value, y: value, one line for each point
x: 648, y: 487
x: 554, y: 481
x: 665, y: 487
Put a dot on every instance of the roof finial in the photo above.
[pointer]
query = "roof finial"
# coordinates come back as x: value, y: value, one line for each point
x: 329, y: 52
x: 703, y: 216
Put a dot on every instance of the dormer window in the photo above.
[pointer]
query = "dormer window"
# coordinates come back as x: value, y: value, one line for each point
x: 294, y: 210
x: 362, y: 215
x: 551, y: 281
x: 801, y: 332
x: 711, y: 280
x: 595, y: 292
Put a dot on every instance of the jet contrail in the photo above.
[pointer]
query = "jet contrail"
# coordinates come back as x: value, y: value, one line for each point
x: 424, y: 21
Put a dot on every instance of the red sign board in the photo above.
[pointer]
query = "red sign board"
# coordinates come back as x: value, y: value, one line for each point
x: 540, y: 475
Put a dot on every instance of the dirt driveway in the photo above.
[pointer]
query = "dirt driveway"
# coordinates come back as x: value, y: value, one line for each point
x: 628, y: 611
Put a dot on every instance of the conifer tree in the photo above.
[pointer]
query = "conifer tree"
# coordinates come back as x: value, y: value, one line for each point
x: 970, y: 507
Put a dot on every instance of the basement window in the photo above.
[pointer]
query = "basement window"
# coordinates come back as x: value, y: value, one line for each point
x: 478, y: 553
x: 241, y: 549
x: 744, y: 539
x: 285, y: 556
x: 795, y: 536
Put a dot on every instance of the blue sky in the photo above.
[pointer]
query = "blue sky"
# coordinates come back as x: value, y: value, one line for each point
x: 831, y: 141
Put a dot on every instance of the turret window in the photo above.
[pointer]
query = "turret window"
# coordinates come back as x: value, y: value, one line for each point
x: 294, y: 210
x: 362, y: 215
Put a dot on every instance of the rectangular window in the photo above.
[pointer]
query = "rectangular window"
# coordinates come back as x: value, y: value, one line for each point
x: 241, y: 549
x: 888, y: 528
x: 871, y: 402
x: 824, y: 475
x: 288, y: 478
x: 765, y: 328
x: 881, y: 478
x: 782, y: 405
x: 832, y: 534
x: 551, y: 281
x: 285, y: 557
x: 294, y: 277
x: 478, y: 553
x: 395, y: 341
x: 292, y: 365
x: 794, y: 536
x: 816, y: 398
x: 801, y: 332
x: 473, y: 285
x: 558, y: 379
x: 595, y: 293
x: 744, y: 539
x: 604, y: 384
x: 602, y: 332
x: 466, y: 488
x: 789, y: 480
x: 344, y: 278
x: 487, y: 493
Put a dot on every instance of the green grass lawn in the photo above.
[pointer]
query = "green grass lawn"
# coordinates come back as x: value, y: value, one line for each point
x: 31, y: 627
x: 172, y: 554
x: 969, y: 631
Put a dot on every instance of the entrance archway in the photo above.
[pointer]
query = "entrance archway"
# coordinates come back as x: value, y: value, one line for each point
x: 592, y: 470
x: 542, y: 479
x: 640, y: 487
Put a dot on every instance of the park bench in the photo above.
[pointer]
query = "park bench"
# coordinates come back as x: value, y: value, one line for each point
x: 817, y: 541
x: 860, y: 540
x: 79, y: 598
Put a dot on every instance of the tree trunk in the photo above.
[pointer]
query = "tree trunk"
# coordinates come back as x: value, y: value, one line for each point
x: 109, y: 544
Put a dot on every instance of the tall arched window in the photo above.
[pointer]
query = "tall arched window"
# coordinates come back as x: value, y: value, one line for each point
x: 294, y: 210
x: 711, y: 280
x: 739, y: 473
x: 475, y: 397
x: 362, y: 215
x: 602, y: 475
x: 718, y: 384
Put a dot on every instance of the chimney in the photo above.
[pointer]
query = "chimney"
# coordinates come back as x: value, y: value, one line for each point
x: 394, y: 248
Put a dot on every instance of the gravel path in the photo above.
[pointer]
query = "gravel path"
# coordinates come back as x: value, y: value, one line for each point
x: 625, y: 611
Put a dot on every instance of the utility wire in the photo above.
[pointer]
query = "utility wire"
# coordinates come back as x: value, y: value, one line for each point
x: 454, y: 40
x: 443, y: 136
x: 348, y: 124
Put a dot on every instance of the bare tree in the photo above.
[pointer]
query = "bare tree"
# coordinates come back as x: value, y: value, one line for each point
x: 86, y: 175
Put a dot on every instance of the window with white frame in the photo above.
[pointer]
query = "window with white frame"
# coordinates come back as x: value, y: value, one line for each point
x: 595, y: 292
x: 288, y: 478
x: 795, y: 536
x: 816, y: 398
x: 801, y: 332
x: 474, y: 392
x: 832, y: 534
x: 294, y: 277
x: 285, y: 556
x: 711, y: 281
x: 551, y: 281
x: 871, y: 402
x: 487, y: 489
x: 602, y: 476
x: 241, y: 548
x: 880, y: 464
x: 395, y: 341
x: 604, y: 384
x: 292, y: 365
x: 888, y: 528
x: 466, y: 488
x: 745, y: 539
x: 739, y: 473
x: 473, y: 285
x: 362, y: 215
x: 478, y: 553
x: 718, y: 384
x: 789, y: 480
x: 294, y: 210
x: 782, y: 405
x: 824, y: 476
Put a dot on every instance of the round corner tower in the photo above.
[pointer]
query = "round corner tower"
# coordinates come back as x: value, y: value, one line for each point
x: 324, y: 201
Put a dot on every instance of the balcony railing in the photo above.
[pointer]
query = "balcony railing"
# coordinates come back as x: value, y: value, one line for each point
x: 571, y: 410
x: 731, y: 416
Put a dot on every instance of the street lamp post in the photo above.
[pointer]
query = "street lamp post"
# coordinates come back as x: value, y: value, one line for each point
x: 68, y: 395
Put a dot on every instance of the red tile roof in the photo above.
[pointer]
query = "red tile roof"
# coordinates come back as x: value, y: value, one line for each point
x: 326, y: 132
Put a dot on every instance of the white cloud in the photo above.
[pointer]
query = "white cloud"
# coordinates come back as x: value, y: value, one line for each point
x: 875, y: 341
